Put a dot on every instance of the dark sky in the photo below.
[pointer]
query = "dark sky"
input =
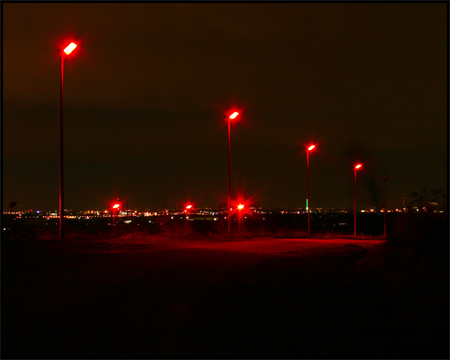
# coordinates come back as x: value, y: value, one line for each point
x: 148, y: 89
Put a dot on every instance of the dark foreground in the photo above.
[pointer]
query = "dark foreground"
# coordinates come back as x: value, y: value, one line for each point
x: 156, y: 297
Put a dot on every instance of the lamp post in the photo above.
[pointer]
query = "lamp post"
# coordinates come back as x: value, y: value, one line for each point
x: 240, y: 207
x: 231, y: 117
x: 310, y: 148
x: 384, y: 206
x: 115, y: 206
x: 357, y: 167
x: 186, y: 210
x: 11, y: 205
x: 62, y: 54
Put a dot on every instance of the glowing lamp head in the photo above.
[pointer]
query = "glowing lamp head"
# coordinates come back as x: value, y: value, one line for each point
x: 188, y: 206
x: 358, y: 166
x: 234, y: 115
x: 70, y: 48
x: 116, y: 206
x: 311, y: 147
x: 240, y: 206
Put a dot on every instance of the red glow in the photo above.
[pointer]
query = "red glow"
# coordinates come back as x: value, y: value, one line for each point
x: 70, y: 48
x: 188, y: 206
x: 234, y: 115
x: 116, y: 206
x: 311, y: 147
x: 358, y: 166
x: 240, y: 206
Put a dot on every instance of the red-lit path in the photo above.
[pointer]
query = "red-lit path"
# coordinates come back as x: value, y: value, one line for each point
x: 298, y: 247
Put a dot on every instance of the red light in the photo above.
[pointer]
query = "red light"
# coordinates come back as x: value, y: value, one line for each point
x: 234, y: 115
x: 188, y: 206
x: 116, y: 206
x: 358, y: 166
x: 311, y: 147
x: 240, y: 206
x: 70, y: 48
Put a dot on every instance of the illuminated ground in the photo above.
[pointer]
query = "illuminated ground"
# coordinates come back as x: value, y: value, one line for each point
x: 213, y: 297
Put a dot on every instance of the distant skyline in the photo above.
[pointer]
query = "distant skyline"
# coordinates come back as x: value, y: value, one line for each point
x: 149, y: 87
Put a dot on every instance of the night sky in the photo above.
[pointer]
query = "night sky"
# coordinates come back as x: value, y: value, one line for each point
x: 149, y: 87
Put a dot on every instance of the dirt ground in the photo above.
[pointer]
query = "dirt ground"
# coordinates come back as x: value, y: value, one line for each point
x: 158, y: 297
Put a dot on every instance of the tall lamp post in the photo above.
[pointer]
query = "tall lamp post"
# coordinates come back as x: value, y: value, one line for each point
x: 62, y: 54
x: 384, y: 206
x: 240, y: 207
x: 188, y: 207
x: 357, y: 167
x: 115, y: 206
x: 231, y: 117
x: 11, y: 205
x: 310, y: 148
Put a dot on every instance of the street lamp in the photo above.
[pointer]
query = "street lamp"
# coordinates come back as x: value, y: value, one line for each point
x: 357, y: 167
x: 186, y: 210
x: 231, y: 117
x: 67, y: 50
x: 11, y: 205
x: 384, y: 206
x: 310, y: 148
x: 115, y: 206
x: 240, y: 207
